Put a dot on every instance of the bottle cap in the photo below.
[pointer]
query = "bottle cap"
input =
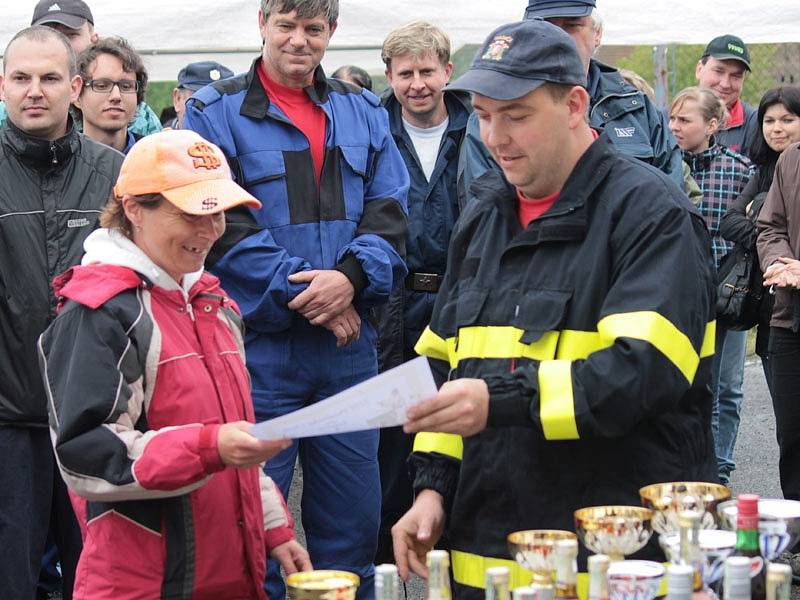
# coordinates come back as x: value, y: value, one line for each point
x: 567, y: 547
x: 779, y: 572
x: 680, y: 580
x: 438, y: 557
x: 598, y: 563
x: 687, y: 518
x: 497, y: 575
x: 747, y: 504
x: 736, y: 581
x: 524, y: 593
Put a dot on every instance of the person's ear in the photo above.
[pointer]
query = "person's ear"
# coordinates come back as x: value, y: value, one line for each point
x: 577, y: 101
x: 76, y: 85
x: 133, y: 210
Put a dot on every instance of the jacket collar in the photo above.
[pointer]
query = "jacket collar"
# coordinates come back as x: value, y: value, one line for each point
x: 607, y: 81
x: 458, y: 106
x: 256, y: 102
x: 565, y: 219
x: 42, y: 153
x: 701, y: 161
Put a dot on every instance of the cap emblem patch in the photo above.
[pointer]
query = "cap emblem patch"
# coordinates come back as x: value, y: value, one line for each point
x: 497, y: 48
x: 204, y: 156
x: 735, y: 48
x: 53, y: 7
x: 209, y: 204
x: 214, y: 74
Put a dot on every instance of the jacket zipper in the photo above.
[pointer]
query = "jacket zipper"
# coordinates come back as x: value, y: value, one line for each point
x: 53, y: 150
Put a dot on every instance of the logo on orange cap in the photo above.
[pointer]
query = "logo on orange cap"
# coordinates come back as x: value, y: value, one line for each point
x: 204, y: 156
x: 209, y: 204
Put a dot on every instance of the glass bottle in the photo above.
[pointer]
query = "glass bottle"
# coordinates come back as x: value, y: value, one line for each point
x: 680, y: 580
x: 497, y: 579
x: 779, y: 581
x: 598, y: 577
x: 689, y: 553
x: 387, y: 583
x: 747, y: 543
x: 566, y: 569
x: 438, y: 562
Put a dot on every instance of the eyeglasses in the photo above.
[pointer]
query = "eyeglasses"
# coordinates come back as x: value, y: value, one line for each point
x: 104, y: 86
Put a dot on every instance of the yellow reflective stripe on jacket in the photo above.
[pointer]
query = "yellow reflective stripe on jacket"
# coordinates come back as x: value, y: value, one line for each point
x: 470, y: 569
x: 570, y: 344
x: 649, y: 326
x: 443, y: 443
x: 503, y: 342
x: 430, y: 344
x: 709, y: 340
x: 556, y: 402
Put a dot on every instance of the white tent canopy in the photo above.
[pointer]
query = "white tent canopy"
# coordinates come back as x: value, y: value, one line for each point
x: 174, y: 33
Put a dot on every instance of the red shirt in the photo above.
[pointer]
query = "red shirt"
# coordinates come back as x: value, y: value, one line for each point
x: 736, y: 116
x: 302, y: 112
x: 533, y: 208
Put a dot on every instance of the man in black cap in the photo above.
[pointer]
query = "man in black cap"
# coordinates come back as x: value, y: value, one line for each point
x: 722, y: 69
x: 73, y: 18
x: 570, y: 334
x: 633, y: 123
x: 191, y: 78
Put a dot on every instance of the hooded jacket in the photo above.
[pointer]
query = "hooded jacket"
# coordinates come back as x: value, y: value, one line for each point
x: 140, y: 374
x: 51, y: 194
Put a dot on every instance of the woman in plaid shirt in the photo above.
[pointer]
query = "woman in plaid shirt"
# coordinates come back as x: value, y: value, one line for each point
x: 694, y: 117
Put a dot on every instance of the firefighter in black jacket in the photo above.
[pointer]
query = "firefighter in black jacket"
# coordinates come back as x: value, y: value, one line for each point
x: 573, y: 331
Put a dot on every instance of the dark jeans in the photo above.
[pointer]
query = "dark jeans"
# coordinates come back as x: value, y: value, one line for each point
x: 33, y: 498
x: 784, y: 349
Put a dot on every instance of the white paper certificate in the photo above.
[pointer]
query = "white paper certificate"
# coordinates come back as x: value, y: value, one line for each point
x: 378, y: 402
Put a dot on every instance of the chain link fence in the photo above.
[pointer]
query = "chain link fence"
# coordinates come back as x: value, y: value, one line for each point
x: 669, y: 69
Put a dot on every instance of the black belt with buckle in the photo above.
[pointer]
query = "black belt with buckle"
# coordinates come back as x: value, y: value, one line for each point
x: 423, y: 282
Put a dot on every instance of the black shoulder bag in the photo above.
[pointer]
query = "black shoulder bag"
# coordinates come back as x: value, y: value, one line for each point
x: 740, y: 289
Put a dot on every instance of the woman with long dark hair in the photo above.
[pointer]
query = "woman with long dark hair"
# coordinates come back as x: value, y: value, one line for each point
x: 778, y: 127
x: 778, y: 251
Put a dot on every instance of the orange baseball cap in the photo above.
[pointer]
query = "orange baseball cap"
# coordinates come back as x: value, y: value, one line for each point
x: 190, y: 172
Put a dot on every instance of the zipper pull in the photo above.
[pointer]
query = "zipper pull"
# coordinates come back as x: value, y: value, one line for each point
x: 190, y: 310
x: 53, y: 150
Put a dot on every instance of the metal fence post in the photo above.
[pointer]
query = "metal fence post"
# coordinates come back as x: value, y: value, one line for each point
x: 661, y: 75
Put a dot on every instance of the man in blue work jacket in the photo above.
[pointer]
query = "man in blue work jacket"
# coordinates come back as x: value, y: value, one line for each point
x: 326, y: 247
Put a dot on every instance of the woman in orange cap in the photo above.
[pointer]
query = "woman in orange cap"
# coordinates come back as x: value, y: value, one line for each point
x: 149, y: 397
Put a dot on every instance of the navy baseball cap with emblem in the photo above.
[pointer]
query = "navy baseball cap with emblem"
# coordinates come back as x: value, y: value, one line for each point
x: 70, y: 13
x: 519, y: 57
x: 200, y: 74
x: 546, y: 9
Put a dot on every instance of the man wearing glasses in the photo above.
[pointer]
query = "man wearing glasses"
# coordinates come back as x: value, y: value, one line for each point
x: 114, y: 83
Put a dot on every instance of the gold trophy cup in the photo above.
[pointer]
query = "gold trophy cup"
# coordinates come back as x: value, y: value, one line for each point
x: 666, y: 500
x: 614, y: 530
x: 322, y: 585
x: 535, y: 550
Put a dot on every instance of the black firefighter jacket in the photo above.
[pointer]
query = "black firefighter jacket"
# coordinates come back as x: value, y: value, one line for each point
x: 594, y: 331
x: 51, y: 194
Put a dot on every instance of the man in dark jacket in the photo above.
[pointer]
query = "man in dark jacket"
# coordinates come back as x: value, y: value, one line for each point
x: 428, y: 126
x: 53, y: 184
x: 572, y: 335
x: 631, y: 120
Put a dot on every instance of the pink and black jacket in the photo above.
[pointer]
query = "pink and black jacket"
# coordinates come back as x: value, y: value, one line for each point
x: 140, y: 373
